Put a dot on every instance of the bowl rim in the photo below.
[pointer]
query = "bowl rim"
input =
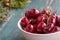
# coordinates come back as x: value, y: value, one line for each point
x: 19, y: 26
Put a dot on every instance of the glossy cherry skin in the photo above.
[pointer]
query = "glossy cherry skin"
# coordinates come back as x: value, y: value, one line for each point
x: 28, y: 14
x: 35, y: 13
x: 32, y: 14
x: 54, y: 29
x: 30, y: 28
x: 45, y: 30
x: 33, y: 21
x: 50, y: 27
x: 42, y: 18
x: 24, y: 22
x: 57, y: 28
x: 52, y: 19
x: 40, y: 27
x: 54, y: 16
x: 45, y: 12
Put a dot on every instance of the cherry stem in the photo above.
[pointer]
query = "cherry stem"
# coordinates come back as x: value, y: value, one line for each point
x: 49, y: 3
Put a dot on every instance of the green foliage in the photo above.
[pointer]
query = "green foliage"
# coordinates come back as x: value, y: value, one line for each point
x: 18, y: 3
x: 11, y: 4
x: 2, y: 15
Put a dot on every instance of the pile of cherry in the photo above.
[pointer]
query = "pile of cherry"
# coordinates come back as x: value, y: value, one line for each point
x: 40, y: 22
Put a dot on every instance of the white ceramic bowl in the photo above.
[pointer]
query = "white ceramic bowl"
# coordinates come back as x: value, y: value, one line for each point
x: 31, y: 36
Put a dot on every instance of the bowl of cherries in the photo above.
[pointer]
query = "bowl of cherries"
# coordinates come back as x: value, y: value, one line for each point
x: 40, y: 25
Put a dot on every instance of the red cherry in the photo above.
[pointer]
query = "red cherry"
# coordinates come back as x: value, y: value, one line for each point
x: 33, y: 21
x: 54, y: 15
x: 54, y: 29
x: 24, y: 22
x: 30, y: 28
x: 28, y: 14
x: 45, y: 30
x: 45, y: 12
x: 57, y: 19
x: 50, y: 27
x: 40, y: 26
x: 52, y: 19
x: 32, y: 14
x: 35, y: 13
x: 57, y: 28
x: 41, y: 18
x: 58, y: 22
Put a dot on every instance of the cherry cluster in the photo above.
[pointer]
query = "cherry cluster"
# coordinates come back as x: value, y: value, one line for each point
x: 40, y: 22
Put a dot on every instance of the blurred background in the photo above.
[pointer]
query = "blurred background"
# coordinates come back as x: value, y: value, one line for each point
x: 12, y: 10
